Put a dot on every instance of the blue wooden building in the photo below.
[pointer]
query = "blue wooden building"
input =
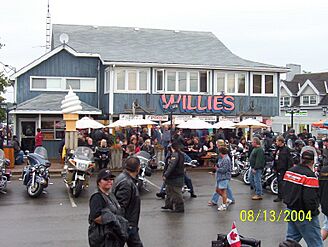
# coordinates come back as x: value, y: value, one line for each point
x: 113, y: 69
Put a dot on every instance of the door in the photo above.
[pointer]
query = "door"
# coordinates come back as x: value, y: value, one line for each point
x: 27, y: 134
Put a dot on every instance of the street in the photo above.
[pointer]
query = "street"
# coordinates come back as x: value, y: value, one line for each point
x: 56, y: 219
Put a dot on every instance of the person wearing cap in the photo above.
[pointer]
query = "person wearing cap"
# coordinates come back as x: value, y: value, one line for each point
x: 301, y: 194
x: 323, y: 193
x: 105, y: 212
x: 325, y: 152
x: 127, y: 194
x: 291, y: 137
x: 282, y: 162
x: 173, y: 177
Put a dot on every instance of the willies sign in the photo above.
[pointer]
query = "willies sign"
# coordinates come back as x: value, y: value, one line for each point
x: 199, y: 103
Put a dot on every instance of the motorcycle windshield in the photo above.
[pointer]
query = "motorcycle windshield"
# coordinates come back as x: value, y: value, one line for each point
x: 144, y: 154
x: 84, y: 153
x: 2, y: 154
x: 42, y: 152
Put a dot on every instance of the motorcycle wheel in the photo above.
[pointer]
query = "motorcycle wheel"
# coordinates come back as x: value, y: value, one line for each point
x: 235, y: 170
x: 36, y: 191
x: 76, y: 191
x: 274, y: 186
x: 246, y: 177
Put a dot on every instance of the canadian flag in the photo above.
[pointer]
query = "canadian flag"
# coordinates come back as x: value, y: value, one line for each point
x: 233, y: 237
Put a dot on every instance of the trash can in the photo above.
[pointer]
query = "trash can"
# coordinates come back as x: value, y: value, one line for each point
x: 9, y: 154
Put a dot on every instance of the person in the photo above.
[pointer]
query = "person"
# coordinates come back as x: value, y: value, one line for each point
x: 90, y: 143
x: 196, y: 151
x: 173, y: 176
x: 18, y: 153
x: 223, y: 176
x: 324, y: 152
x: 323, y: 194
x: 282, y: 162
x: 291, y: 138
x: 127, y: 194
x: 305, y: 135
x: 257, y: 163
x: 219, y: 134
x: 209, y: 144
x: 166, y: 139
x: 102, y: 154
x: 144, y: 134
x: 134, y: 141
x: 106, y: 212
x: 119, y: 134
x: 301, y: 194
x: 38, y: 138
x: 147, y: 147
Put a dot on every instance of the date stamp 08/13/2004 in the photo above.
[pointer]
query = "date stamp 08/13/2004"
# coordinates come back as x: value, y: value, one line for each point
x: 274, y: 215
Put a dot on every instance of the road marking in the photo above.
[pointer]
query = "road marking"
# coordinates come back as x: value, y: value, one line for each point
x: 156, y: 186
x: 70, y: 197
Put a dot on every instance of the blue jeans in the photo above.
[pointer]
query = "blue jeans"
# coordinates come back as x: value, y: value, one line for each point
x: 216, y: 196
x: 255, y: 180
x: 309, y: 230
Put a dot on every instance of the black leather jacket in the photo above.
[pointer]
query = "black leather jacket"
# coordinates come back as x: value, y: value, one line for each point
x: 127, y: 194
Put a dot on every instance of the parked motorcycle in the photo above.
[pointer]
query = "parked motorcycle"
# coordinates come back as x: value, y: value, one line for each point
x: 77, y: 170
x: 5, y: 174
x: 35, y: 175
x: 102, y: 157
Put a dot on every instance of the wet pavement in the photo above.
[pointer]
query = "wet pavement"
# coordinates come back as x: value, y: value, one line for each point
x: 56, y: 219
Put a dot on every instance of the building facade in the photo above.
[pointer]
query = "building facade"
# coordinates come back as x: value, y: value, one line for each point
x: 118, y: 72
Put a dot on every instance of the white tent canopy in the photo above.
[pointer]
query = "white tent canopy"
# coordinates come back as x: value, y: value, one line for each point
x: 250, y: 123
x: 119, y: 123
x: 88, y: 123
x: 227, y: 124
x: 195, y: 123
x: 131, y: 122
x: 139, y: 122
x: 175, y: 121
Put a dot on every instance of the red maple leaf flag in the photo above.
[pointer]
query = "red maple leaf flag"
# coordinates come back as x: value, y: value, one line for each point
x: 233, y: 237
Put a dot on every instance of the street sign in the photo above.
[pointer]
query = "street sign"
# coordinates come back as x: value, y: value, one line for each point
x: 303, y: 113
x: 162, y: 118
x: 208, y: 118
x: 130, y: 116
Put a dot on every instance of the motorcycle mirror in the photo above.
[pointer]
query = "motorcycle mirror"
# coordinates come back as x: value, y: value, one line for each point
x: 27, y: 152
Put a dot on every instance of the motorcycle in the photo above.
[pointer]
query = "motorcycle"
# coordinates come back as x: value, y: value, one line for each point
x: 145, y: 170
x: 5, y: 174
x: 102, y: 156
x: 78, y: 168
x: 36, y: 174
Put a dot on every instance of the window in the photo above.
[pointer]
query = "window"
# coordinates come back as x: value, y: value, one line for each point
x: 160, y: 80
x: 127, y: 80
x: 203, y: 81
x: 107, y: 81
x: 63, y: 84
x: 194, y: 82
x: 309, y: 100
x: 182, y: 81
x: 284, y: 101
x: 231, y: 82
x: 171, y: 78
x: 263, y: 84
x: 53, y: 129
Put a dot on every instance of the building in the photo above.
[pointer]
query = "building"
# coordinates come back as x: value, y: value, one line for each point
x: 120, y: 71
x: 305, y: 96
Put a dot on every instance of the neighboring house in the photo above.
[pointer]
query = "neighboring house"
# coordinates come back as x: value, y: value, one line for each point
x: 119, y: 70
x: 306, y: 93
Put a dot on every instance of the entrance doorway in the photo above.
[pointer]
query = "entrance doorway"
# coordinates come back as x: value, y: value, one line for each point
x: 27, y: 134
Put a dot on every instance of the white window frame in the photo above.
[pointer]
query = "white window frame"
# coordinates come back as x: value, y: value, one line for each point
x: 63, y: 84
x: 107, y: 75
x: 309, y: 104
x: 275, y: 84
x: 236, y: 73
x: 53, y: 119
x: 187, y: 71
x: 282, y: 100
x: 127, y: 70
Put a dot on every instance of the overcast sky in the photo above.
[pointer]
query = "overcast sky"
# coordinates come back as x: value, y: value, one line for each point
x: 275, y: 32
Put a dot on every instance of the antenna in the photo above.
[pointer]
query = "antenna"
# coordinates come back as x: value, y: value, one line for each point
x: 63, y: 38
x: 48, y: 28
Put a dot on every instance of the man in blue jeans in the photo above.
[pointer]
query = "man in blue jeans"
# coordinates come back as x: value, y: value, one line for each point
x: 301, y: 195
x: 257, y: 163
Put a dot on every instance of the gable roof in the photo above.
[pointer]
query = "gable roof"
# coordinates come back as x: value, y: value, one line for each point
x: 50, y: 103
x: 157, y: 46
x: 317, y: 80
x: 308, y: 83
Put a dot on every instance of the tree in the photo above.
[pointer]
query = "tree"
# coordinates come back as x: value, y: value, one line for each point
x: 4, y: 83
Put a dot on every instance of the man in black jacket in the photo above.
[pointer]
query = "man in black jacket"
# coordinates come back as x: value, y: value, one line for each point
x: 323, y: 192
x: 301, y: 195
x: 282, y: 162
x: 173, y: 177
x: 127, y: 194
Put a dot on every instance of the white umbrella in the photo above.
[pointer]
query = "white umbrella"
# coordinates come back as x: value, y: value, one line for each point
x: 139, y: 122
x: 195, y: 123
x: 119, y: 123
x: 250, y: 123
x: 176, y: 121
x: 227, y: 124
x: 88, y: 123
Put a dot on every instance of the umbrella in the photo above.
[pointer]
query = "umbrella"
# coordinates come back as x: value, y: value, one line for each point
x: 250, y: 123
x: 195, y: 123
x: 319, y: 124
x: 139, y: 122
x: 88, y: 123
x: 224, y: 125
x: 119, y: 123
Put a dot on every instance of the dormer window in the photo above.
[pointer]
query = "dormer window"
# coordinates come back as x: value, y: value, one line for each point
x: 309, y: 100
